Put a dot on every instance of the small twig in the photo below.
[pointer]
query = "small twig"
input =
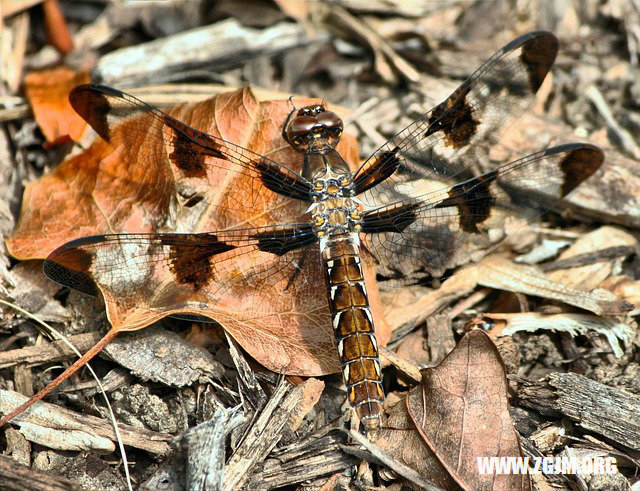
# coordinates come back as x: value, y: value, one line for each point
x: 468, y: 302
x: 409, y: 369
x: 626, y: 139
x: 50, y: 353
x: 379, y: 45
x: 56, y: 26
x: 375, y: 454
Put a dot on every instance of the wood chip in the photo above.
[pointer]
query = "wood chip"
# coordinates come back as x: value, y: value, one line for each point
x: 384, y: 54
x: 32, y: 356
x: 55, y: 427
x: 372, y: 453
x: 14, y: 46
x: 253, y: 396
x: 163, y: 356
x: 610, y: 412
x: 263, y: 435
x: 18, y: 477
x: 311, y: 458
x: 206, y: 448
x: 590, y: 276
x: 234, y: 43
x: 457, y: 286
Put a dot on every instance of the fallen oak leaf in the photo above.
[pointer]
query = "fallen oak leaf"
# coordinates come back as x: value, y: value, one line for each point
x: 400, y: 439
x: 374, y: 453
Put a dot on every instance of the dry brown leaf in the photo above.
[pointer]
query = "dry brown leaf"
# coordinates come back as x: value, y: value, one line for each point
x: 461, y: 412
x: 399, y: 438
x: 572, y: 323
x: 98, y: 192
x: 626, y: 288
x: 311, y: 391
x: 501, y: 273
x: 458, y: 413
x: 401, y: 311
x: 590, y: 276
x: 47, y: 92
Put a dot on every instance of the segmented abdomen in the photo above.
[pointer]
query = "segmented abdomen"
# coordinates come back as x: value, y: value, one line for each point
x: 353, y: 328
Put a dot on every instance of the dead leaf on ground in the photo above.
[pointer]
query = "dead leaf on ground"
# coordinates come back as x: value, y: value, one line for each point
x: 408, y: 447
x: 459, y: 413
x: 101, y: 191
x: 626, y: 288
x: 47, y: 92
x: 590, y: 276
x: 500, y: 273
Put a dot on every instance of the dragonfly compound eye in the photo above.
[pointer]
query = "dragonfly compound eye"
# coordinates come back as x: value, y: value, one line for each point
x: 330, y: 120
x: 301, y: 125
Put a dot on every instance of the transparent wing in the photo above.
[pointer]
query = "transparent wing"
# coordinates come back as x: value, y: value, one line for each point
x: 182, y: 272
x: 167, y: 158
x: 428, y: 233
x: 264, y: 285
x: 444, y: 142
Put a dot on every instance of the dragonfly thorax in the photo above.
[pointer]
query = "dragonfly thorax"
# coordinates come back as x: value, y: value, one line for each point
x: 332, y: 187
x: 337, y: 215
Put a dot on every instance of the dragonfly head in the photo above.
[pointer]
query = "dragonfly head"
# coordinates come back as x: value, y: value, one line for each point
x: 313, y: 123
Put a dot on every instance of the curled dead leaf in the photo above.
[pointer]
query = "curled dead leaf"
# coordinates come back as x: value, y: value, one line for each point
x: 507, y: 324
x: 500, y: 273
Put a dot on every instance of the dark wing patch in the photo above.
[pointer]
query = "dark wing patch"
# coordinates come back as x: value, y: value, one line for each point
x: 94, y: 107
x: 281, y: 240
x: 189, y: 156
x: 581, y: 162
x: 537, y: 56
x: 455, y: 118
x: 194, y: 153
x: 393, y: 219
x: 190, y: 257
x: 283, y: 181
x: 171, y: 271
x: 376, y: 171
x: 473, y: 200
x: 70, y: 265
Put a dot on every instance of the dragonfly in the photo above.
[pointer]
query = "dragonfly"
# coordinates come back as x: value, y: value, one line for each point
x: 380, y: 212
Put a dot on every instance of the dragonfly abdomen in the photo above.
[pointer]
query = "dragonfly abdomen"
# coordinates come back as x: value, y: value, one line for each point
x: 353, y: 328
